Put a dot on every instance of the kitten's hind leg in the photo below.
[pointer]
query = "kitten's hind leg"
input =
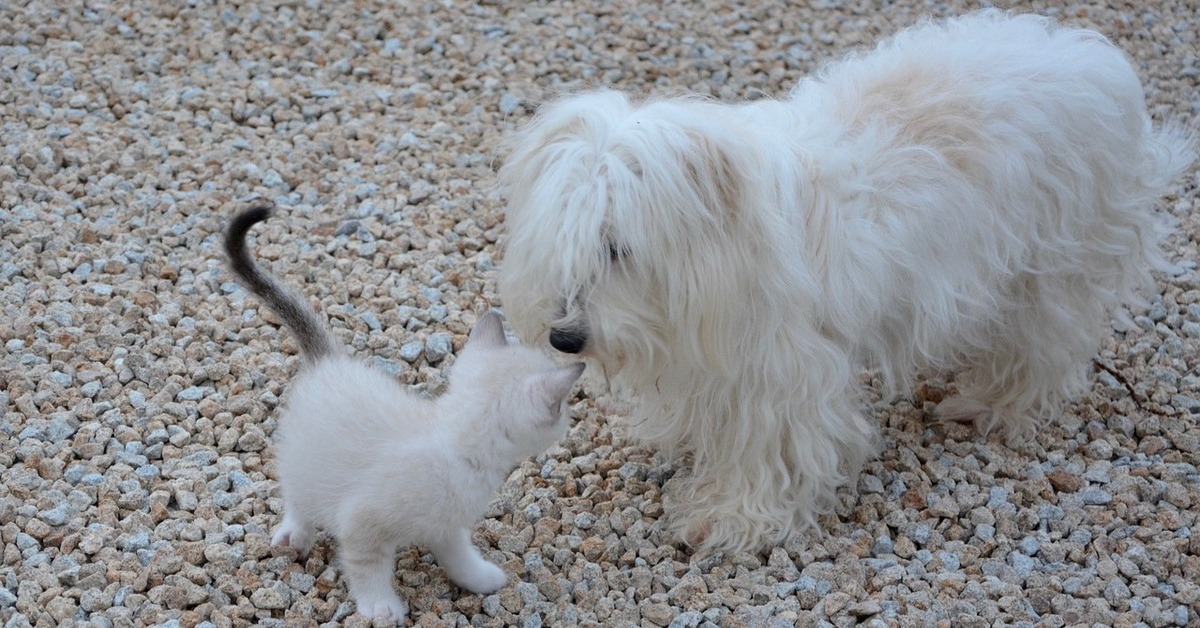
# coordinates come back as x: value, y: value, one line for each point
x: 465, y: 565
x: 294, y: 532
x: 368, y: 566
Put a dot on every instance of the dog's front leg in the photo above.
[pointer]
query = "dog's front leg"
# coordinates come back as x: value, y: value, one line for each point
x: 766, y: 465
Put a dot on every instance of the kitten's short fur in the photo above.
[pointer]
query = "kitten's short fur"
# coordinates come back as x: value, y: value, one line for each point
x: 379, y: 468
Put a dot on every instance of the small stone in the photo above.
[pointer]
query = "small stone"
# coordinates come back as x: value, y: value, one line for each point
x: 349, y: 227
x: 1188, y: 403
x: 410, y: 351
x: 1094, y: 496
x: 194, y: 393
x: 509, y: 103
x: 90, y: 389
x: 945, y: 507
x: 870, y: 484
x: 372, y: 321
x: 865, y: 608
x: 528, y: 593
x: 689, y: 619
x: 272, y: 179
x: 1023, y: 565
x: 273, y: 596
x: 432, y: 294
x: 920, y: 533
x: 658, y: 614
x: 1100, y: 450
x: 592, y: 548
x: 1064, y: 482
x: 437, y: 347
x: 56, y: 516
x: 997, y: 497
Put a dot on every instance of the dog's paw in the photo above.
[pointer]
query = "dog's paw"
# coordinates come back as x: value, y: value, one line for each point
x: 962, y: 410
x: 1015, y: 426
x: 695, y: 534
x: 724, y: 535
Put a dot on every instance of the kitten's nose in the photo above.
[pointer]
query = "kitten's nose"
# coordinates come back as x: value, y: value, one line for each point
x: 567, y: 341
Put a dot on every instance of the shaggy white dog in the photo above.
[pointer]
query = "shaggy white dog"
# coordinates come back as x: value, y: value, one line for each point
x: 975, y: 194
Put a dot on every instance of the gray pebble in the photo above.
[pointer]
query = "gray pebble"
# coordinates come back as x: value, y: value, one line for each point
x: 410, y: 351
x: 388, y: 367
x: 1094, y: 496
x: 919, y: 533
x: 437, y: 347
x: 433, y: 294
x: 689, y: 619
x: 585, y: 520
x: 509, y: 103
x: 90, y: 389
x: 194, y: 393
x: 1023, y: 565
x: 372, y: 321
x: 274, y: 595
x: 349, y: 227
x: 147, y: 471
x: 868, y: 483
x: 56, y: 516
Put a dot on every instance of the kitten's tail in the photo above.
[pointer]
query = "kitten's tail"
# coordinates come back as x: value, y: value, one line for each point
x: 314, y: 337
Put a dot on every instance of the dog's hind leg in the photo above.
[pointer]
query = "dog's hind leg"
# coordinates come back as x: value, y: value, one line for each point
x: 1036, y: 360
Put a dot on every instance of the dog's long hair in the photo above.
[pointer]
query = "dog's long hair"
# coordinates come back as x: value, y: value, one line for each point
x: 974, y: 194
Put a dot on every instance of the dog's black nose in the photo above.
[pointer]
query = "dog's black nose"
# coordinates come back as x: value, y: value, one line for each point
x: 567, y: 341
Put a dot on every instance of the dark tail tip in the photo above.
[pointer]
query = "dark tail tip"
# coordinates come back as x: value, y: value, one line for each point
x: 235, y: 236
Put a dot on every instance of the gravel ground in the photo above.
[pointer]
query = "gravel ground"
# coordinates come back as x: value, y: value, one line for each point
x: 139, y: 385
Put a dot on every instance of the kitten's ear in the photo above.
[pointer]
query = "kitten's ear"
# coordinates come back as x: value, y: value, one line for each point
x: 557, y: 384
x: 488, y: 331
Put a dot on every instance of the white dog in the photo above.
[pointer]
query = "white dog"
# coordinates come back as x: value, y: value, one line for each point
x: 974, y: 194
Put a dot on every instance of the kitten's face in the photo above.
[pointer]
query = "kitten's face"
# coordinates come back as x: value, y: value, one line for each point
x: 528, y: 390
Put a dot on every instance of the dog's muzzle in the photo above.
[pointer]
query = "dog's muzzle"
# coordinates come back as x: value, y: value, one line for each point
x: 568, y: 340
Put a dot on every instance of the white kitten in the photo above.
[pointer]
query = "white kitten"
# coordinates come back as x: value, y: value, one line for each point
x: 379, y: 468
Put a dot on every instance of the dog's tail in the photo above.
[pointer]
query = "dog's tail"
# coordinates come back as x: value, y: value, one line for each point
x: 1170, y: 151
x: 1167, y: 153
x: 314, y: 336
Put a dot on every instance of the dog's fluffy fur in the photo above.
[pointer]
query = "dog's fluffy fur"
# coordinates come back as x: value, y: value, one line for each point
x: 975, y: 194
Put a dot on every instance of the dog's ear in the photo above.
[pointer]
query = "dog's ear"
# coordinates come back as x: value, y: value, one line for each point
x: 712, y: 172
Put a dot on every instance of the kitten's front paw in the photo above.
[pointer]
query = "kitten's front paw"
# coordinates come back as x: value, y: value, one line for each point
x: 392, y: 608
x: 294, y: 535
x: 484, y: 578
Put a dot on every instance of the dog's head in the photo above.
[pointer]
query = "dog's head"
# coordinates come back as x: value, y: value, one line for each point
x: 631, y: 235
